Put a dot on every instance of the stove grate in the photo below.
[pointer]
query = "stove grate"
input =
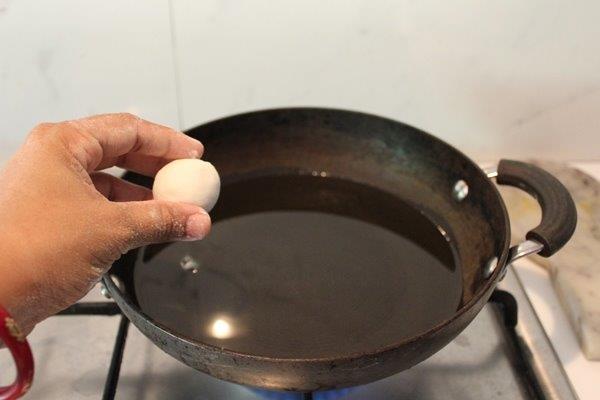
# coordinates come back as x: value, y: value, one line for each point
x: 504, y: 301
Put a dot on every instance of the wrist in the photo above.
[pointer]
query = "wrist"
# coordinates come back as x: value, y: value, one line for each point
x: 14, y: 339
x: 16, y: 288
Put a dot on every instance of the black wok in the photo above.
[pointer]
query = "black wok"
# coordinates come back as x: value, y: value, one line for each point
x: 361, y: 158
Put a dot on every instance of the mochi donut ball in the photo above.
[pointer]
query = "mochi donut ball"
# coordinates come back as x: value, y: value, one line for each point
x: 189, y: 181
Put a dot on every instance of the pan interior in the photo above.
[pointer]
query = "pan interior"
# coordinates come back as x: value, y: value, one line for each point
x: 304, y: 266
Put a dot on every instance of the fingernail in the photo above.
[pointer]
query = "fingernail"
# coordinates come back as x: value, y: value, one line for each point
x: 197, y: 226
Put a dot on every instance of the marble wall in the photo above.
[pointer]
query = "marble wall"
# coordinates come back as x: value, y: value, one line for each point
x: 495, y: 78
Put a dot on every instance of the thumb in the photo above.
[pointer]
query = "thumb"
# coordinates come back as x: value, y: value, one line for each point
x: 155, y: 221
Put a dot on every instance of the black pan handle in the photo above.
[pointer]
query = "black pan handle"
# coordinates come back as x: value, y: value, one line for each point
x: 559, y: 215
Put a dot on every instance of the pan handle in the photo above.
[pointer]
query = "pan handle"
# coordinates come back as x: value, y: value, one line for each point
x: 559, y: 215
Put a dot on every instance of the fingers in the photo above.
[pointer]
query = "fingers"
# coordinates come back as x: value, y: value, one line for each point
x: 129, y: 142
x: 143, y: 164
x: 156, y: 221
x: 116, y: 189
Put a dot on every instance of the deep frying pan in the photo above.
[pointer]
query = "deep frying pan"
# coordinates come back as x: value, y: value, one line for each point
x: 390, y: 157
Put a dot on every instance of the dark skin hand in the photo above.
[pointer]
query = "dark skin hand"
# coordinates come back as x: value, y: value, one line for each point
x: 64, y: 222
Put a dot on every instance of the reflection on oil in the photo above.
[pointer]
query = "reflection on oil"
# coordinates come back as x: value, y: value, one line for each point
x: 188, y: 263
x: 221, y: 328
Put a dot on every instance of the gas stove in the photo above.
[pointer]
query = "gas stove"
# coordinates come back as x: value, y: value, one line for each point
x: 503, y: 354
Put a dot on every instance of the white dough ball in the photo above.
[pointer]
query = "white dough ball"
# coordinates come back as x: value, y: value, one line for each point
x: 189, y: 181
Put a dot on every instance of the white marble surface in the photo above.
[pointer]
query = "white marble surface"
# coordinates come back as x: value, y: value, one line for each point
x: 574, y: 269
x: 582, y: 372
x: 64, y: 59
x: 495, y: 78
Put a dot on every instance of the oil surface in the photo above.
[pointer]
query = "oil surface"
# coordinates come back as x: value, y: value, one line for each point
x: 303, y: 267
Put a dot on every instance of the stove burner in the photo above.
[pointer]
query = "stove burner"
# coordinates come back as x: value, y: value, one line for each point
x: 326, y: 395
x: 508, y: 308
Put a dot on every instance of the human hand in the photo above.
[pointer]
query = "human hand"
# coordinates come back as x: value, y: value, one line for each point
x: 63, y: 223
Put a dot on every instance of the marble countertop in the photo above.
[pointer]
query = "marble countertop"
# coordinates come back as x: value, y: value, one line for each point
x: 582, y: 373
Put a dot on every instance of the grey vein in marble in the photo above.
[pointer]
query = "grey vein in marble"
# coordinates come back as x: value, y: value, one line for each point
x: 575, y: 269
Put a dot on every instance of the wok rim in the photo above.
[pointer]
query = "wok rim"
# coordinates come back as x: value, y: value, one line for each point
x: 464, y: 309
